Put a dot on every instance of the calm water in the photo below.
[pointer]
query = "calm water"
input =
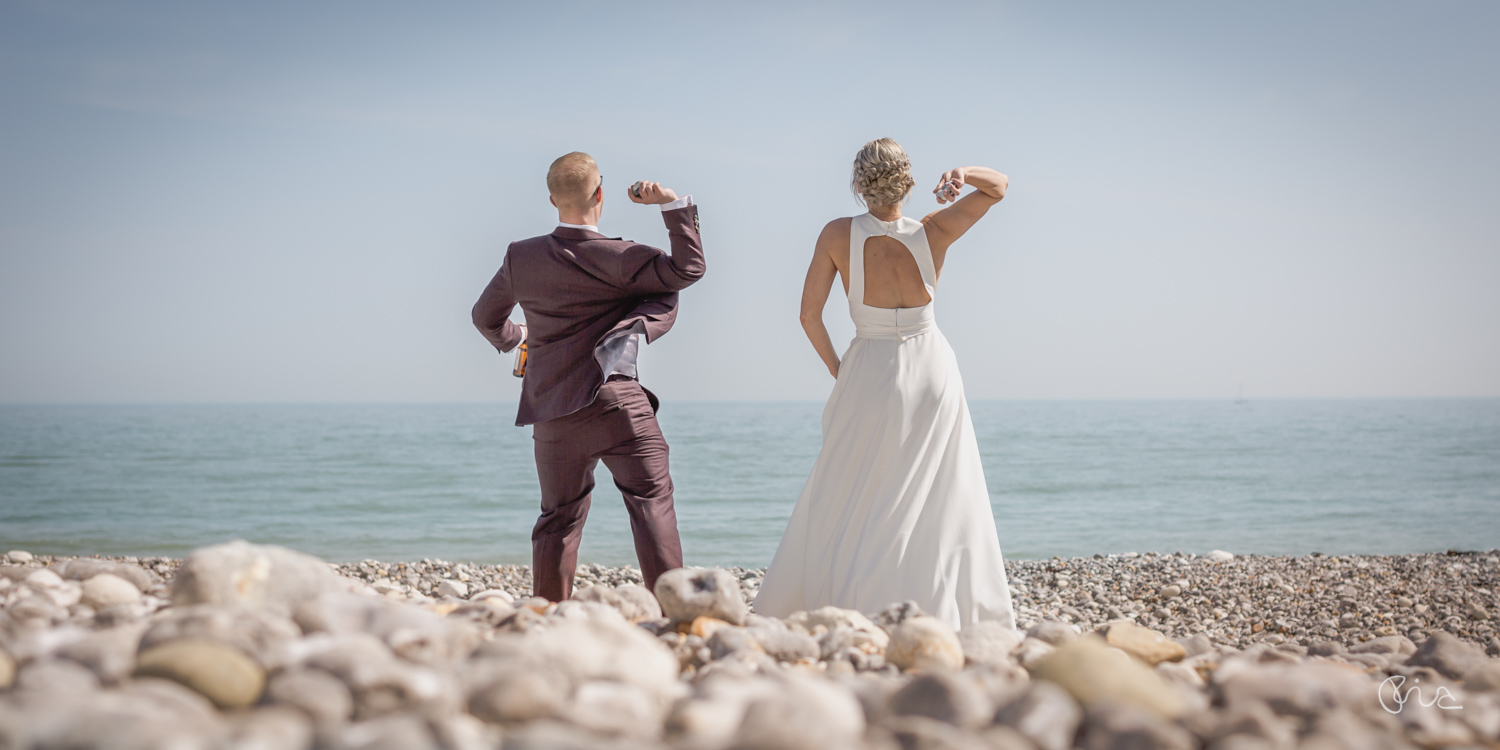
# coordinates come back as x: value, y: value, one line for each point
x: 456, y: 481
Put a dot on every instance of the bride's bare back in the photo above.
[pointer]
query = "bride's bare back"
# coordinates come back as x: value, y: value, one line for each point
x: 891, y: 276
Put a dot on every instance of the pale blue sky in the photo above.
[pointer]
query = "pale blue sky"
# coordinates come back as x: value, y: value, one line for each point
x: 293, y: 202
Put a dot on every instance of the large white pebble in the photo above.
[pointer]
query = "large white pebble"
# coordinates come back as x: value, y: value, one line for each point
x: 43, y: 578
x: 107, y: 590
x: 500, y: 594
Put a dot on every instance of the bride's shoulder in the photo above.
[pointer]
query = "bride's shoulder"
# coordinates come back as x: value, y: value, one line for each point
x: 835, y: 235
x: 841, y: 224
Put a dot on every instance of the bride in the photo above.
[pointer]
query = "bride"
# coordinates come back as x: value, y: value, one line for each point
x: 896, y: 507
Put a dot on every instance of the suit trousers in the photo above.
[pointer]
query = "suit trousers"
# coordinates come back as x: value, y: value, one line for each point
x: 620, y: 429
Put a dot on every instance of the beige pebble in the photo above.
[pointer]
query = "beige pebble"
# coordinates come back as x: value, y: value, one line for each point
x: 1090, y: 670
x: 1143, y: 643
x: 221, y: 673
x: 106, y: 590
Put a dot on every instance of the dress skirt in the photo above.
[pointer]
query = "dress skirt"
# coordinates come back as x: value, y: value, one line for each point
x: 896, y: 507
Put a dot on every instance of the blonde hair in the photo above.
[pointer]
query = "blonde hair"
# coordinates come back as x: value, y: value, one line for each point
x: 882, y: 173
x: 572, y: 179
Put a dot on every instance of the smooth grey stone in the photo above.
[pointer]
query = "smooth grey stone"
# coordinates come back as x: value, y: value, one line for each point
x: 556, y: 735
x: 519, y: 696
x: 726, y: 641
x: 145, y: 715
x: 1195, y: 644
x: 615, y: 709
x: 463, y: 732
x: 1255, y: 719
x: 1045, y: 713
x: 109, y: 653
x: 15, y: 573
x: 84, y: 568
x: 952, y: 698
x: 1305, y: 690
x: 410, y: 632
x: 923, y: 733
x: 1325, y: 648
x: 383, y: 684
x: 1390, y: 644
x: 395, y: 732
x: 35, y: 610
x: 58, y: 677
x: 786, y: 645
x: 1483, y: 676
x: 273, y: 728
x: 1001, y: 737
x: 255, y: 632
x: 320, y: 695
x: 1112, y: 725
x: 803, y: 713
x: 1448, y: 655
x: 1369, y: 660
x: 1055, y: 632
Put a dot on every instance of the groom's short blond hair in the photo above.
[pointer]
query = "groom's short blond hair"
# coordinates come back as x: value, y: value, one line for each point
x: 572, y: 179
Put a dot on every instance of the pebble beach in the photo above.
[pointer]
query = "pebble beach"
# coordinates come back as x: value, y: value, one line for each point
x: 250, y: 646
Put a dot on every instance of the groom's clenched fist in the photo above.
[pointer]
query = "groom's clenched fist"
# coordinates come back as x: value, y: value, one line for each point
x: 650, y: 193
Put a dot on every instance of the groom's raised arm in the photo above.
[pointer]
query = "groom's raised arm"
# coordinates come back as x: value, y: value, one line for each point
x: 492, y: 312
x: 646, y: 270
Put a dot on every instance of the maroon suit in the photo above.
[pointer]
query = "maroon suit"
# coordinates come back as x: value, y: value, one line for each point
x: 577, y: 288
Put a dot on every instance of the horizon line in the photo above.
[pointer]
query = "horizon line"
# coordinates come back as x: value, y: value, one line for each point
x: 1013, y: 399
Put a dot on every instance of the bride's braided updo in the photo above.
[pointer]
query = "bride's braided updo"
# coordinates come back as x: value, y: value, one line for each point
x: 882, y: 173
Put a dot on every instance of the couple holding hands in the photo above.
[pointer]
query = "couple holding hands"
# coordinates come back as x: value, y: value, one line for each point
x: 896, y: 507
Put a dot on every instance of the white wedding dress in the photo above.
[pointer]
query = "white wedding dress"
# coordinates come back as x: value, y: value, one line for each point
x: 896, y: 507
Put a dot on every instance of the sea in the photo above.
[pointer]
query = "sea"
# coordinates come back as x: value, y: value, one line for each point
x: 456, y: 482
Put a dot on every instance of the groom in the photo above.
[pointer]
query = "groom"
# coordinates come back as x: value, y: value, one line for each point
x: 587, y: 300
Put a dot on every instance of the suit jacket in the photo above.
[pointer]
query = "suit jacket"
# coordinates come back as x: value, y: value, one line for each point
x: 576, y: 288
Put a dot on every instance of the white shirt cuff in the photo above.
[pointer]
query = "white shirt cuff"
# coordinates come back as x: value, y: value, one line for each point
x: 683, y: 202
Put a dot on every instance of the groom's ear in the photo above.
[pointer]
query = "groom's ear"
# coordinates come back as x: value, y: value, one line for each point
x: 552, y: 200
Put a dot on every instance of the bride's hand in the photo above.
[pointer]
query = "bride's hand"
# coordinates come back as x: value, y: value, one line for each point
x: 833, y: 369
x: 959, y: 177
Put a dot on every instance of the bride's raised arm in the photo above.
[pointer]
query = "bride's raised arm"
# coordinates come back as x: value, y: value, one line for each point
x: 820, y: 276
x: 946, y: 225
